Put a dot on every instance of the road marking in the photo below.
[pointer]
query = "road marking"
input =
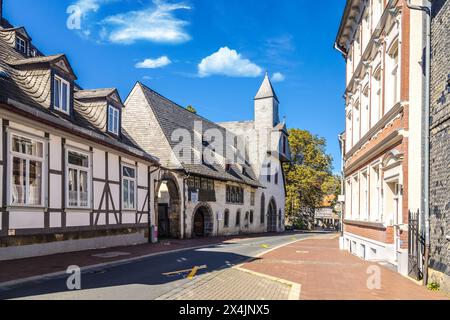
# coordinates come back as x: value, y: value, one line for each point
x: 192, y: 272
x: 304, y: 252
x: 265, y: 246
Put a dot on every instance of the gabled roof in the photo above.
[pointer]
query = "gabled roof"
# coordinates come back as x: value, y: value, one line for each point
x: 59, y: 60
x: 97, y: 94
x: 172, y: 117
x: 266, y: 90
x: 20, y: 30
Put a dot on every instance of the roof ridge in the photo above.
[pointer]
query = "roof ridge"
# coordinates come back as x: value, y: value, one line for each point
x: 179, y: 106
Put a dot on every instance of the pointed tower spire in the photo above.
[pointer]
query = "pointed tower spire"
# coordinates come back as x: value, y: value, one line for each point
x: 266, y: 90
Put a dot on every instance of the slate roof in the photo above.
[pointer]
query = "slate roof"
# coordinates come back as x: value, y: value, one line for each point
x: 28, y: 92
x: 35, y: 60
x: 94, y: 93
x: 171, y: 116
x: 266, y: 90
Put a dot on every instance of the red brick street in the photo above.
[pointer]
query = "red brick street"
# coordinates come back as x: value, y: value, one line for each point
x: 327, y: 273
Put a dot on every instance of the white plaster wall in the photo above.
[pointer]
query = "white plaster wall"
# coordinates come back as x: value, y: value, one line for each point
x: 98, y: 164
x: 26, y: 219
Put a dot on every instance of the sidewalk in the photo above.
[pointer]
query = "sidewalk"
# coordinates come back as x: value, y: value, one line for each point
x: 31, y: 267
x: 327, y: 273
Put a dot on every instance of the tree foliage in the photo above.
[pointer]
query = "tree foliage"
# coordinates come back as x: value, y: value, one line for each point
x: 191, y: 109
x: 309, y: 176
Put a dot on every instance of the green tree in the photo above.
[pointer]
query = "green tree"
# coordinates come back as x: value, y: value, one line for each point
x: 191, y: 109
x: 309, y: 175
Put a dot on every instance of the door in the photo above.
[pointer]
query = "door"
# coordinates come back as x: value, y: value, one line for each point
x: 199, y: 224
x: 163, y: 221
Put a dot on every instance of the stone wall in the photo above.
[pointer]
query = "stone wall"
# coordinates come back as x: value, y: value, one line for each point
x: 440, y: 145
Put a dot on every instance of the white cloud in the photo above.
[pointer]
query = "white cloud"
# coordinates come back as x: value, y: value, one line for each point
x: 155, y: 24
x: 229, y: 63
x: 278, y: 77
x: 80, y: 10
x: 154, y: 63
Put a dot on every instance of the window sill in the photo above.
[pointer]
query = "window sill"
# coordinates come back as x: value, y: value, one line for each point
x: 78, y: 209
x: 19, y: 207
x: 373, y: 225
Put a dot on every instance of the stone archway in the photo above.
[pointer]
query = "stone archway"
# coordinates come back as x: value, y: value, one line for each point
x: 168, y: 207
x: 272, y: 216
x: 202, y: 221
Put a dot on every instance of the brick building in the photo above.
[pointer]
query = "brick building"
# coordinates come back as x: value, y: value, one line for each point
x: 440, y: 145
x: 382, y: 42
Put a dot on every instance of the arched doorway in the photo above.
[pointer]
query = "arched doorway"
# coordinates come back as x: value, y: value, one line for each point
x: 272, y: 216
x: 203, y: 223
x: 168, y: 205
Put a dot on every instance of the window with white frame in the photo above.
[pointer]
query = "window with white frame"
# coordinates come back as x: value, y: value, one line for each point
x: 113, y: 120
x: 78, y: 179
x: 365, y: 114
x: 356, y: 122
x: 376, y: 97
x: 21, y: 45
x: 364, y: 196
x: 27, y: 163
x: 128, y: 187
x: 61, y: 95
x: 393, y: 84
x: 355, y: 197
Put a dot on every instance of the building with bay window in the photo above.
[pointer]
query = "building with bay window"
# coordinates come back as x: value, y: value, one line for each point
x: 382, y: 42
x: 72, y: 179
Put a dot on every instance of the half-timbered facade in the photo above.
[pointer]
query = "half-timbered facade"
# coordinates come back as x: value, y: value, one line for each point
x: 71, y: 179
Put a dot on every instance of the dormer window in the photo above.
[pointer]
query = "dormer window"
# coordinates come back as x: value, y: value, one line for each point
x: 113, y: 120
x: 61, y: 96
x: 21, y: 45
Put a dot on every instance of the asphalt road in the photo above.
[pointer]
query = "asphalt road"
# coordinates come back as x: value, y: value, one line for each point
x: 147, y: 279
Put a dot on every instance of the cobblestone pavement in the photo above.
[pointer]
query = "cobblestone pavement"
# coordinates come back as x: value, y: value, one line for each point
x: 230, y: 284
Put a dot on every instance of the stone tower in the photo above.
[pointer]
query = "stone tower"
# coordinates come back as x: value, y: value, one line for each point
x: 266, y: 106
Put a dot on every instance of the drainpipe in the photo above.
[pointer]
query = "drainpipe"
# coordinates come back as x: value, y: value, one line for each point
x: 426, y: 160
x: 341, y: 142
x: 149, y: 201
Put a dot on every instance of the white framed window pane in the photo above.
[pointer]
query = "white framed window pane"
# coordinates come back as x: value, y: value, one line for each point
x: 19, y: 173
x: 115, y: 121
x: 125, y: 194
x: 132, y: 197
x: 110, y: 122
x: 65, y: 96
x: 73, y: 187
x: 84, y: 189
x: 35, y: 183
x: 78, y: 159
x: 129, y: 172
x: 27, y: 146
x: 57, y: 93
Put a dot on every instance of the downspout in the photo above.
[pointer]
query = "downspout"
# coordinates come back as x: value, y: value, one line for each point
x: 426, y: 171
x: 149, y: 202
x: 342, y: 143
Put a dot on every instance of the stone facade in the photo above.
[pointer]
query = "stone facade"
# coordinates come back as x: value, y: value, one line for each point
x: 440, y: 145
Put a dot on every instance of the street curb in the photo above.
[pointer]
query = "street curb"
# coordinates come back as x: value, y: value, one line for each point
x: 296, y: 288
x: 8, y: 284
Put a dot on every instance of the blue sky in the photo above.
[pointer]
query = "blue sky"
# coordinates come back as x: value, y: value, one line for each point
x: 211, y: 54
